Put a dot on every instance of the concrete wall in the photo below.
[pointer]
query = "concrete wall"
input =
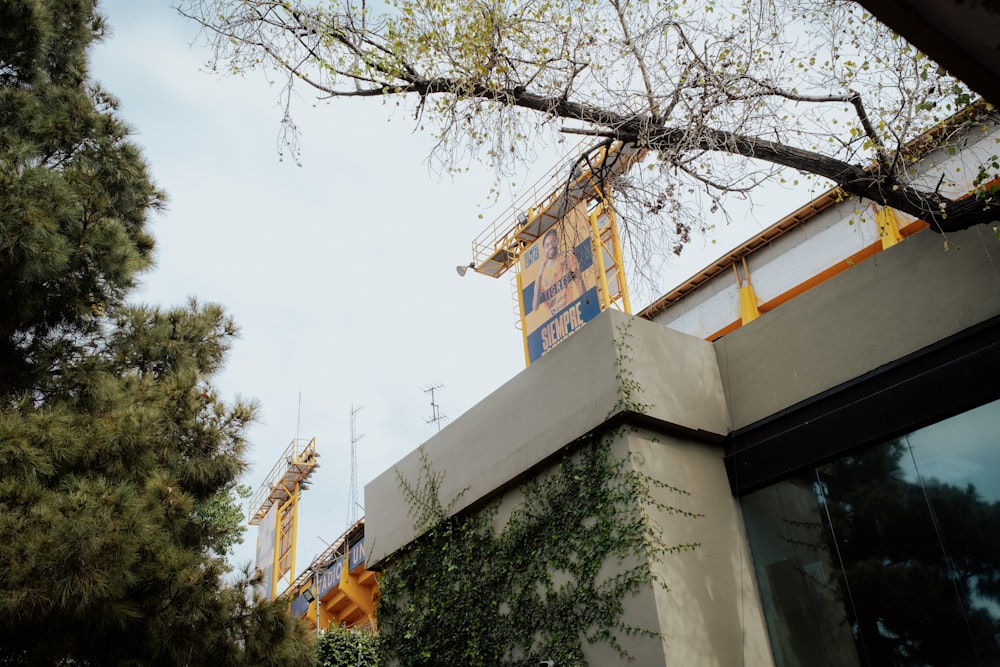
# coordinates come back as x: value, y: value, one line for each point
x: 640, y: 610
x: 961, y: 36
x: 693, y: 393
x: 906, y: 298
x: 825, y: 241
x: 567, y: 393
x: 709, y: 612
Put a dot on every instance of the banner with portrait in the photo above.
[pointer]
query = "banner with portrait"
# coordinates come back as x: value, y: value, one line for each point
x: 558, y: 283
x: 266, y: 533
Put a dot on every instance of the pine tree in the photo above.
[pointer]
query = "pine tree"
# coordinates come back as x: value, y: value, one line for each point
x: 74, y: 192
x: 116, y: 453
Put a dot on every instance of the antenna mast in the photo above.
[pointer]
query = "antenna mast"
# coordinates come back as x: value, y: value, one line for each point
x: 436, y: 416
x: 298, y: 418
x: 352, y: 501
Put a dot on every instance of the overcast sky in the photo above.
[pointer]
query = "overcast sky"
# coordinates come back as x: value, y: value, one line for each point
x: 340, y: 272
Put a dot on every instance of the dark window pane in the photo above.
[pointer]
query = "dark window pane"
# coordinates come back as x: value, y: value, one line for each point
x: 893, y: 551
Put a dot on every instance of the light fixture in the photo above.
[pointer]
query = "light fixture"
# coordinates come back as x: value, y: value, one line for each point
x: 308, y: 595
x: 461, y: 269
x: 522, y: 218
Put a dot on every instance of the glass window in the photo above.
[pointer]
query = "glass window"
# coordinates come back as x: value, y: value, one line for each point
x: 887, y: 557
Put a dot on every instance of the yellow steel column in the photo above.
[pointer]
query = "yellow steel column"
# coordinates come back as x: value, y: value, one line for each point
x: 277, y: 555
x: 748, y: 299
x: 888, y: 226
x: 283, y: 534
x: 355, y: 592
x: 294, y: 536
x: 597, y: 247
x: 616, y: 245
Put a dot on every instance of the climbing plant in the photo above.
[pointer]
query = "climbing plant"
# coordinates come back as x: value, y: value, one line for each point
x: 344, y: 647
x: 468, y: 593
x: 630, y: 391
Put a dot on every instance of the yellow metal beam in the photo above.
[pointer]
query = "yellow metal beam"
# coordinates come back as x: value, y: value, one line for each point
x: 284, y: 544
x: 295, y: 466
x: 888, y: 226
x: 748, y: 299
x: 597, y: 248
x: 360, y: 595
x: 616, y: 245
x: 607, y: 243
x: 499, y: 246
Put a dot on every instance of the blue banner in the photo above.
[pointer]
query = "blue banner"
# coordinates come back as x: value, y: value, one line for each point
x: 329, y: 578
x: 563, y: 324
x: 559, y: 282
x: 265, y: 551
x: 300, y: 606
x: 357, y: 554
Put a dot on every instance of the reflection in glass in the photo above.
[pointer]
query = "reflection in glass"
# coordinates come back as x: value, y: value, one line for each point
x: 887, y: 557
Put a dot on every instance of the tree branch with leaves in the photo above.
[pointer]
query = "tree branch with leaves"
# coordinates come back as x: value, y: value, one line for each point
x: 726, y: 96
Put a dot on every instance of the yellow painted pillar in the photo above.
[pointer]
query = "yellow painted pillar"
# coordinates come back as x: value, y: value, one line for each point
x: 888, y: 226
x: 597, y: 247
x: 748, y: 299
x: 355, y: 592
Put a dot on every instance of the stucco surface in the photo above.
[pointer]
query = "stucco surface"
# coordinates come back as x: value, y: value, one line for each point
x: 709, y: 609
x: 562, y: 396
x: 900, y: 301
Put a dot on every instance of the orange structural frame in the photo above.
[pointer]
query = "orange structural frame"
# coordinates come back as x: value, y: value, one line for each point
x: 352, y: 601
x: 337, y: 589
x: 821, y: 277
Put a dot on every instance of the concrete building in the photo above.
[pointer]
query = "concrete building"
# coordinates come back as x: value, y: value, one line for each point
x: 839, y: 434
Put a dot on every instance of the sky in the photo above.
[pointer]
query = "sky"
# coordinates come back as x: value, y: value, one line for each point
x: 340, y: 270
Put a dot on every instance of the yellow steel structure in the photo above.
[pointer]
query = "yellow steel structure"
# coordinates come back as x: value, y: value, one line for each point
x: 749, y: 311
x: 888, y: 226
x: 281, y: 488
x: 608, y: 251
x: 337, y: 589
x: 499, y: 247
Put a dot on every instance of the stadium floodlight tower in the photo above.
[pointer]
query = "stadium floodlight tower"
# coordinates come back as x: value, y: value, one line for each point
x: 274, y: 509
x: 561, y: 238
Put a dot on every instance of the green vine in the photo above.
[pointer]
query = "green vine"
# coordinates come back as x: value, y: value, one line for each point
x: 345, y: 647
x: 467, y: 593
x: 629, y: 389
x: 423, y: 496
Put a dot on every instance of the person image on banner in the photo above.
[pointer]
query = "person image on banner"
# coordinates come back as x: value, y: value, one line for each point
x: 558, y: 282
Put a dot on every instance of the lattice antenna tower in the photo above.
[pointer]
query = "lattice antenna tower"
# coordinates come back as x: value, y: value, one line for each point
x: 436, y: 416
x: 352, y: 501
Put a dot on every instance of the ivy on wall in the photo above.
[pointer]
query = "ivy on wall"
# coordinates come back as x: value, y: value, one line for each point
x: 344, y: 647
x: 630, y: 391
x: 465, y: 593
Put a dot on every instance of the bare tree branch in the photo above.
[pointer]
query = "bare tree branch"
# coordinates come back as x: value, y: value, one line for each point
x: 712, y: 92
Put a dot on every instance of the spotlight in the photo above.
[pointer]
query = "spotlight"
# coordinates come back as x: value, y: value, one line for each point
x: 462, y: 268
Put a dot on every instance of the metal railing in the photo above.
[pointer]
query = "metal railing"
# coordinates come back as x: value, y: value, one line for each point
x: 295, y: 465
